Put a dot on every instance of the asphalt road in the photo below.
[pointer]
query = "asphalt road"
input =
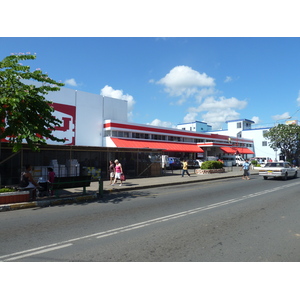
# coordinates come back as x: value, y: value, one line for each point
x: 229, y: 220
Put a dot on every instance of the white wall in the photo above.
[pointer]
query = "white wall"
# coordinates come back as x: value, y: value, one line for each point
x: 89, y: 119
x: 115, y: 109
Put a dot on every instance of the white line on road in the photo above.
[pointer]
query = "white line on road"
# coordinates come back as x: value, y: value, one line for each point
x: 26, y: 253
x: 47, y: 249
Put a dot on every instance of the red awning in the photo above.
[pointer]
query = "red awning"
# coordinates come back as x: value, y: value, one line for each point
x: 228, y: 150
x: 243, y: 150
x: 172, y: 147
x: 236, y: 150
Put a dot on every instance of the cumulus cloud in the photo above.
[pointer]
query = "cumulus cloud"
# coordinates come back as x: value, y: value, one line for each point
x: 160, y: 123
x: 256, y: 120
x: 71, y: 82
x: 108, y: 91
x: 283, y: 116
x: 216, y: 111
x: 184, y: 81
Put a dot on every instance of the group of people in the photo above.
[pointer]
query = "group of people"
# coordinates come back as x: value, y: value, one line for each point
x: 115, y: 172
x: 27, y: 181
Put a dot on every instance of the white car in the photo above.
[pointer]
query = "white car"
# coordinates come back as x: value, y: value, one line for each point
x: 278, y: 169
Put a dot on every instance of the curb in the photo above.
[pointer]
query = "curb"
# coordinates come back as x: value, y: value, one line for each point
x: 49, y: 202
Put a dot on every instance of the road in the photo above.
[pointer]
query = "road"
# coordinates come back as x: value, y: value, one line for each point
x: 229, y: 220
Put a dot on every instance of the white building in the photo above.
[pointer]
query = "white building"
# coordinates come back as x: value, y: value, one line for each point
x: 242, y: 129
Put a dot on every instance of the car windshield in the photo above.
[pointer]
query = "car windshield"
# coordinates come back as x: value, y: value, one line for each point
x: 274, y: 165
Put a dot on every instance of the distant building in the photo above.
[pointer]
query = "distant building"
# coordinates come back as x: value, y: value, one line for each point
x: 243, y: 129
x: 196, y: 126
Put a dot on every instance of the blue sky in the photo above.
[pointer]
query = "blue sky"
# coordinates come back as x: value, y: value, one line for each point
x: 177, y: 80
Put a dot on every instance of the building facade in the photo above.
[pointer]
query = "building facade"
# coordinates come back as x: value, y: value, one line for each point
x: 96, y: 130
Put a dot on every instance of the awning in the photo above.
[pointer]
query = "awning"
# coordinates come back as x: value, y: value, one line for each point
x: 172, y: 147
x: 228, y: 150
x: 236, y: 150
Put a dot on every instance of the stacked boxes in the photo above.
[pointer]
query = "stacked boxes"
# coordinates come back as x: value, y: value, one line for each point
x: 73, y: 167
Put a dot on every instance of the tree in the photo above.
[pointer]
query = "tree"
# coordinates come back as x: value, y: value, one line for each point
x: 285, y: 138
x: 25, y: 114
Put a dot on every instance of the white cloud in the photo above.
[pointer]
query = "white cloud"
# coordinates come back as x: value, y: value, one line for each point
x: 71, y: 82
x: 108, y: 91
x: 298, y: 99
x: 216, y: 111
x: 160, y: 123
x: 227, y: 79
x: 256, y: 120
x: 282, y: 117
x: 184, y: 81
x: 190, y: 117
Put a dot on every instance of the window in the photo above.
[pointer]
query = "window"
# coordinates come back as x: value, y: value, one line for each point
x: 239, y: 125
x: 265, y: 143
x: 107, y: 133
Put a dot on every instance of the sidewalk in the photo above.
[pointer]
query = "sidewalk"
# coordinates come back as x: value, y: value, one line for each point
x: 75, y: 195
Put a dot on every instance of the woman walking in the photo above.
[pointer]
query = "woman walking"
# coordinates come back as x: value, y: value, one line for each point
x: 118, y: 172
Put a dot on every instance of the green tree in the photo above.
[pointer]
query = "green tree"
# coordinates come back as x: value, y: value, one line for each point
x: 25, y: 114
x: 286, y: 139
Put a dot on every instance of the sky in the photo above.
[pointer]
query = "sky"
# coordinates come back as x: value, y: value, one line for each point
x: 168, y: 81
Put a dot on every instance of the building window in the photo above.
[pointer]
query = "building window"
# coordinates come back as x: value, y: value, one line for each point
x: 239, y: 125
x: 107, y: 133
x: 265, y: 143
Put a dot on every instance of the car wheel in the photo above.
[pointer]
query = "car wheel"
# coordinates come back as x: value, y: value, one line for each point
x: 295, y: 176
x: 265, y: 177
x: 285, y: 177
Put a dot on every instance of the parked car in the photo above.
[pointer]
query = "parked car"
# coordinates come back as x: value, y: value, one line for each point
x: 239, y: 160
x: 200, y: 162
x: 194, y: 163
x: 174, y: 163
x: 278, y: 169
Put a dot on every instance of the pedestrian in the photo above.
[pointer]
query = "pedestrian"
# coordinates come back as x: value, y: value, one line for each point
x: 111, y: 170
x: 51, y: 176
x: 185, y: 168
x: 27, y: 181
x: 246, y: 168
x: 118, y: 172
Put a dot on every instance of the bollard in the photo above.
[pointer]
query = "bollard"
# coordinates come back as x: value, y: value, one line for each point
x: 100, y: 187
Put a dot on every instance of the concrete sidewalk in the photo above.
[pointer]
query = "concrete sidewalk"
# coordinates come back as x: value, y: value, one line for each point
x: 94, y: 192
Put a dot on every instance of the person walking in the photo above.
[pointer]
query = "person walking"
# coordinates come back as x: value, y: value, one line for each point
x: 118, y: 172
x: 185, y: 168
x: 111, y: 170
x: 246, y: 168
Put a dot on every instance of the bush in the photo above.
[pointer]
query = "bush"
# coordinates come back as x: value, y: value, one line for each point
x: 6, y: 190
x: 211, y: 165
